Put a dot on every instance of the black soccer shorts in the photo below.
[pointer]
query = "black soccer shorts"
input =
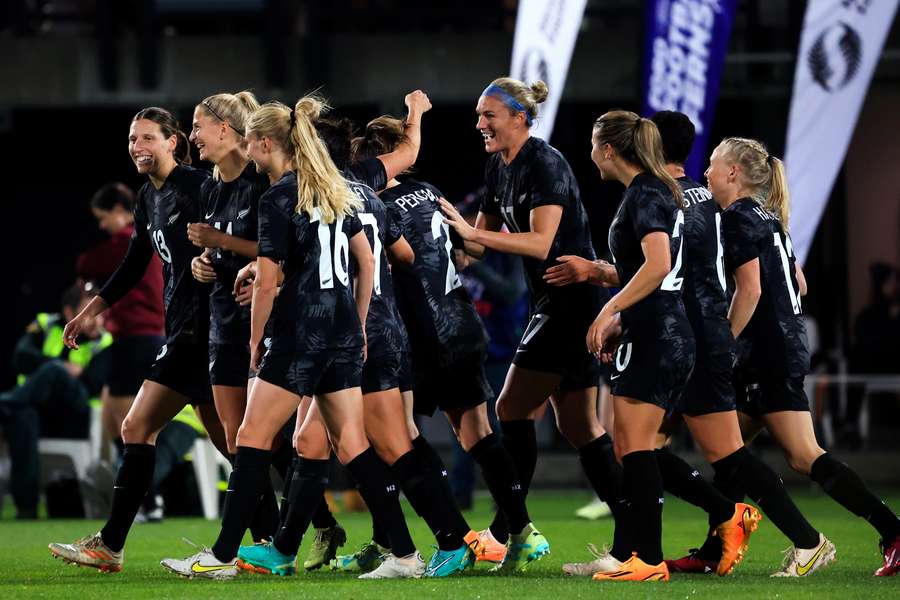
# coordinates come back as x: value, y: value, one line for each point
x: 462, y: 384
x: 309, y: 373
x: 382, y: 372
x: 229, y: 364
x: 182, y: 364
x: 652, y: 370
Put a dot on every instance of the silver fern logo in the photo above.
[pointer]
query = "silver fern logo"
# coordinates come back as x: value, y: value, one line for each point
x: 835, y: 57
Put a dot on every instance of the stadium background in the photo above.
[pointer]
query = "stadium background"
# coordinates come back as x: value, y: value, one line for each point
x: 75, y: 71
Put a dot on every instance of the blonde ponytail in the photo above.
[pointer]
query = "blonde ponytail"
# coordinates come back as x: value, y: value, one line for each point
x: 762, y: 175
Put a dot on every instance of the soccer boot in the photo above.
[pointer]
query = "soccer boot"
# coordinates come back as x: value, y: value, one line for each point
x: 800, y: 563
x: 324, y: 547
x: 89, y: 552
x: 368, y: 557
x: 522, y: 549
x: 891, y: 552
x: 492, y: 550
x: 634, y: 569
x: 264, y: 558
x: 391, y: 567
x: 603, y: 562
x: 203, y: 564
x: 593, y: 510
x: 444, y: 563
x: 735, y: 536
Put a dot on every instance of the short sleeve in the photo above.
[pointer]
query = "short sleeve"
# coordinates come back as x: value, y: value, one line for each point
x: 392, y: 229
x: 650, y: 211
x: 274, y: 228
x: 371, y: 172
x: 352, y: 226
x: 739, y: 238
x: 551, y: 183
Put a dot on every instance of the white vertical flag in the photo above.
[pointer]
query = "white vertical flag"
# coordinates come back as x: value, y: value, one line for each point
x: 839, y: 49
x: 546, y: 31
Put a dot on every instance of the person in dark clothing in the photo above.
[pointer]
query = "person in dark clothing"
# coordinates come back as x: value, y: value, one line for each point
x: 52, y: 392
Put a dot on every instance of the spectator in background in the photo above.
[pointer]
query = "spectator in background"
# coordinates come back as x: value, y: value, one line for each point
x: 52, y: 392
x: 497, y: 287
x: 876, y: 344
x: 136, y: 322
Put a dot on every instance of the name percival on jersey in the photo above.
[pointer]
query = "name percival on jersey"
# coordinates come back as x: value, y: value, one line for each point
x: 161, y: 217
x: 776, y: 333
x: 231, y: 207
x: 439, y: 315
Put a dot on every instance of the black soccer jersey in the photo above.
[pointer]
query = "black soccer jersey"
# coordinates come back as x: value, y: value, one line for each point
x: 436, y: 309
x: 161, y: 218
x: 540, y: 176
x: 384, y: 334
x: 231, y: 207
x: 315, y: 310
x: 704, y: 292
x: 776, y: 332
x: 369, y: 171
x: 647, y: 206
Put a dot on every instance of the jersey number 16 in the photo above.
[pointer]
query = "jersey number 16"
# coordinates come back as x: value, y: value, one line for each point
x: 329, y: 270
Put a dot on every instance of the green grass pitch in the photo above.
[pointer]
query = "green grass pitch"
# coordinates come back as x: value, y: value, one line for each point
x: 29, y: 571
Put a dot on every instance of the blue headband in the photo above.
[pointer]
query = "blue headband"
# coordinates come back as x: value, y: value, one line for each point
x: 498, y: 92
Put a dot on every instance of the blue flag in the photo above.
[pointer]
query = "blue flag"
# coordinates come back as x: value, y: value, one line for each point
x: 685, y: 46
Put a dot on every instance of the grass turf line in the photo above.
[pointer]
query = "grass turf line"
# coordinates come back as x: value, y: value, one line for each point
x: 29, y: 571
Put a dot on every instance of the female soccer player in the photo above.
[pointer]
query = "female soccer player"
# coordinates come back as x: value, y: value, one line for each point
x: 448, y: 345
x: 644, y: 239
x: 306, y: 219
x: 179, y: 376
x: 384, y: 417
x: 532, y: 190
x: 765, y: 314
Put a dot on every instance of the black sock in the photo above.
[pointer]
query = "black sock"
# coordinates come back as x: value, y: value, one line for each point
x: 322, y: 517
x: 251, y: 468
x: 847, y: 489
x: 265, y: 518
x: 380, y: 493
x: 684, y: 481
x: 380, y: 534
x: 767, y: 490
x: 307, y: 486
x: 419, y: 484
x: 431, y: 461
x: 502, y: 480
x: 644, y: 490
x: 519, y: 437
x: 598, y: 459
x: 286, y: 491
x: 732, y: 487
x: 133, y: 479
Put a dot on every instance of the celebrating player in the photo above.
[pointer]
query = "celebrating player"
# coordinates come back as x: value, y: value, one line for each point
x: 766, y: 319
x: 179, y: 376
x: 531, y: 189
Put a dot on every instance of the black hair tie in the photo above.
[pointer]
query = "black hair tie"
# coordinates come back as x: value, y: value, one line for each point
x: 769, y: 158
x: 293, y: 117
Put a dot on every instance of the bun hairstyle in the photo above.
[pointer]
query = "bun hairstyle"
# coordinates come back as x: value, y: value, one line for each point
x: 638, y: 142
x: 382, y: 136
x: 762, y: 175
x: 518, y: 96
x: 320, y: 184
x: 169, y: 127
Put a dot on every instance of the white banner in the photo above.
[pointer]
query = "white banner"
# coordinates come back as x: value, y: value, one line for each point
x: 546, y: 31
x: 839, y: 49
